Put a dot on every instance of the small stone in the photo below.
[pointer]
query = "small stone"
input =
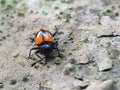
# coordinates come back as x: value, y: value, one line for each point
x: 106, y: 64
x: 103, y: 62
x: 79, y: 83
x: 98, y: 85
x: 105, y: 20
x: 83, y: 59
x: 108, y: 85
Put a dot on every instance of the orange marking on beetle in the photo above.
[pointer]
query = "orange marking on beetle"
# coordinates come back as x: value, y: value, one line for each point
x: 37, y: 31
x: 38, y: 40
x: 46, y: 29
x: 48, y: 38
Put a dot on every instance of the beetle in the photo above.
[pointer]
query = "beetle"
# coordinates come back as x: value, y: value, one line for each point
x: 45, y: 44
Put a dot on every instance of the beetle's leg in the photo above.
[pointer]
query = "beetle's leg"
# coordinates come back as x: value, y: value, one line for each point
x: 58, y: 52
x: 55, y: 44
x: 56, y: 31
x: 37, y: 62
x: 34, y: 63
x: 31, y: 50
x: 36, y: 53
x: 32, y: 39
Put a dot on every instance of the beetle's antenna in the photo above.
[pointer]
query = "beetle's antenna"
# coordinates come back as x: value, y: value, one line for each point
x: 56, y: 30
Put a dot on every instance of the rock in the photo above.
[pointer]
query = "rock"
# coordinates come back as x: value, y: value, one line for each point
x: 83, y: 59
x: 103, y: 62
x: 107, y: 85
x: 81, y: 84
x: 105, y: 20
x: 106, y: 64
x: 81, y: 56
x: 108, y: 27
x: 98, y: 85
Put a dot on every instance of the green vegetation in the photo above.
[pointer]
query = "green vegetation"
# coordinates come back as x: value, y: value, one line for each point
x: 4, y: 37
x: 1, y: 85
x: 116, y: 14
x: 16, y: 55
x: 111, y: 12
x: 20, y: 14
x: 25, y: 78
x: 3, y: 2
x: 22, y: 64
x: 64, y: 1
x: 13, y: 81
x: 56, y: 7
x: 50, y: 0
x: 108, y: 12
x: 9, y: 7
x: 1, y: 31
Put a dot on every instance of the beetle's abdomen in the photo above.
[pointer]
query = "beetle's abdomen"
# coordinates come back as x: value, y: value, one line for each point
x: 43, y: 36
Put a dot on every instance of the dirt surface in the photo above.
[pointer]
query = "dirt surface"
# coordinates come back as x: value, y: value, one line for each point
x: 88, y: 37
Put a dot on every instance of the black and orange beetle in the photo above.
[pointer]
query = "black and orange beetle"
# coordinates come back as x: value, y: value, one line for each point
x: 45, y: 44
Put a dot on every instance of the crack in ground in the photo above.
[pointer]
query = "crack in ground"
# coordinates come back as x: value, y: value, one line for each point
x: 108, y: 36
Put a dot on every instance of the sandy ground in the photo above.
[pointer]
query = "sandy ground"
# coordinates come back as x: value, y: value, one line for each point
x: 89, y: 41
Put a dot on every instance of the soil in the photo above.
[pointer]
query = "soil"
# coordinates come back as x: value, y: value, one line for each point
x: 88, y: 39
